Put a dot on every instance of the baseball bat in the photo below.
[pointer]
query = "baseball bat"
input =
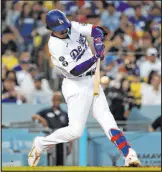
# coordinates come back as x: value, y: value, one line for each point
x: 97, y: 78
x: 97, y: 72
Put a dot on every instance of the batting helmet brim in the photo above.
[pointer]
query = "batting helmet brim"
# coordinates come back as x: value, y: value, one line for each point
x: 62, y: 27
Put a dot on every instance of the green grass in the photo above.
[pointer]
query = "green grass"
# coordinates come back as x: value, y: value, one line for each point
x: 77, y: 168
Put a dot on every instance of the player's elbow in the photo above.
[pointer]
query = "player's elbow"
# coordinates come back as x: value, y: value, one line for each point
x: 34, y: 117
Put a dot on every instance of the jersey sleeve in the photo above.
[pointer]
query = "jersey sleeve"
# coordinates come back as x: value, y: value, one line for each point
x: 65, y: 62
x: 62, y: 61
x: 60, y: 57
x: 83, y: 28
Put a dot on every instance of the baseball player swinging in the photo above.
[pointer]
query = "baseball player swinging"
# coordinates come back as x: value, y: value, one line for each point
x: 73, y: 57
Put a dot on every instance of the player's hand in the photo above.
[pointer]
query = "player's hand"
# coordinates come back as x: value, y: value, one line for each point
x: 99, y: 57
x: 99, y: 47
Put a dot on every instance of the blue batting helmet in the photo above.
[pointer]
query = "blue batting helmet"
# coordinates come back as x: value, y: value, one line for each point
x: 57, y: 21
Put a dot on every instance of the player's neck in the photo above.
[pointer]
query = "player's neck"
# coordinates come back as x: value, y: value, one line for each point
x: 67, y: 37
x: 55, y: 108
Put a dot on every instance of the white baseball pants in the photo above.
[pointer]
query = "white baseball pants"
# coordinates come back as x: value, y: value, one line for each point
x: 81, y: 102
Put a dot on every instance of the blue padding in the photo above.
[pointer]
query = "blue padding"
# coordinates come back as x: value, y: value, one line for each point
x: 121, y: 139
x: 125, y: 150
x: 115, y: 132
x: 83, y: 149
x: 16, y: 143
x: 18, y: 139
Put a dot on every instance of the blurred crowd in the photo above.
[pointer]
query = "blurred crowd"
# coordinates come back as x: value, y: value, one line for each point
x: 130, y: 73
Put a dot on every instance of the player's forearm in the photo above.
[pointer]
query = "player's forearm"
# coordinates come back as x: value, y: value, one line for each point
x: 35, y: 117
x: 40, y: 119
x: 81, y: 68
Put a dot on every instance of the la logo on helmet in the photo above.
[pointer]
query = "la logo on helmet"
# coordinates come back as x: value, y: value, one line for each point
x: 60, y: 21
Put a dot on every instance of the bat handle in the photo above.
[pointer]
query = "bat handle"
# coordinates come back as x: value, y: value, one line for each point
x: 97, y: 78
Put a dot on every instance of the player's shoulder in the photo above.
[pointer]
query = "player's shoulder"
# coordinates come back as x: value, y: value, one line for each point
x: 54, y: 40
x: 76, y: 25
x: 45, y: 110
x: 55, y: 45
x: 83, y: 28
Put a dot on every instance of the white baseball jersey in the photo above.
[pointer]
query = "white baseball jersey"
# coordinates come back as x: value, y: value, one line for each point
x: 70, y: 52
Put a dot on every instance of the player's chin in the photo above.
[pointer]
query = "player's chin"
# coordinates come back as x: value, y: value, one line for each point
x: 65, y: 35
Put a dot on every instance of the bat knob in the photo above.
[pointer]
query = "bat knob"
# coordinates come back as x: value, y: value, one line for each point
x: 96, y: 94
